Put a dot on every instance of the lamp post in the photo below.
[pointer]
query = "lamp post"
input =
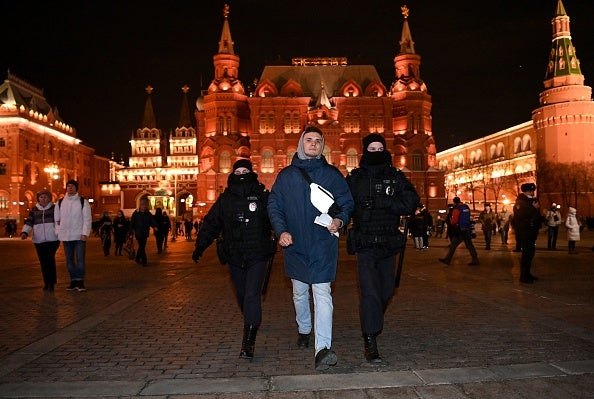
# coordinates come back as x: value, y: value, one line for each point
x: 52, y: 174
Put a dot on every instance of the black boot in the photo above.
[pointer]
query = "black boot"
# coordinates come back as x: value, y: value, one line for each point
x: 249, y: 341
x: 371, y: 353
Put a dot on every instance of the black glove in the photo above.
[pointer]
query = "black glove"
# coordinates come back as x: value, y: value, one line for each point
x: 197, y: 254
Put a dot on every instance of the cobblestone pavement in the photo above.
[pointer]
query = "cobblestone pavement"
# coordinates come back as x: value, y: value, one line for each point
x: 173, y: 330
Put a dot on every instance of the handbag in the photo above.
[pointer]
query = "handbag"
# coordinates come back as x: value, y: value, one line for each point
x: 324, y: 199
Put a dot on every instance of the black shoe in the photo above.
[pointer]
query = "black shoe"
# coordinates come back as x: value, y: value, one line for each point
x: 46, y: 287
x: 303, y: 341
x: 488, y: 248
x: 249, y: 342
x: 474, y: 263
x: 80, y: 286
x: 72, y: 286
x: 325, y: 358
x: 444, y: 260
x: 371, y: 353
x: 526, y: 280
x: 532, y: 277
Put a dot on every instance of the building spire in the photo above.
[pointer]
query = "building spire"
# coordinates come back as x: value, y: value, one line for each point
x: 563, y: 67
x: 148, y: 118
x: 184, y: 115
x: 226, y: 43
x: 407, y: 45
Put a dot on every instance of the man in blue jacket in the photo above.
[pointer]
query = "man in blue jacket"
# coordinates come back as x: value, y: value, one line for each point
x: 311, y: 249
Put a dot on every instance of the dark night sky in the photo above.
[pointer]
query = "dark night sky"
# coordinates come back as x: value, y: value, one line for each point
x: 483, y: 62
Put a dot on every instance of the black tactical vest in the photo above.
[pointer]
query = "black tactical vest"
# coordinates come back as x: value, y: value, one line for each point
x: 373, y: 222
x: 246, y: 224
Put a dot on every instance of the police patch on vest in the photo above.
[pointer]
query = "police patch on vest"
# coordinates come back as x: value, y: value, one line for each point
x: 253, y: 207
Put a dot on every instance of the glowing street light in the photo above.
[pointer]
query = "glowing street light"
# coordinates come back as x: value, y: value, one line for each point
x: 52, y: 174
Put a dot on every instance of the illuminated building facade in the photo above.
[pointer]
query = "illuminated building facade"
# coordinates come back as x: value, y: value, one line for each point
x: 39, y: 150
x: 555, y: 149
x: 346, y: 102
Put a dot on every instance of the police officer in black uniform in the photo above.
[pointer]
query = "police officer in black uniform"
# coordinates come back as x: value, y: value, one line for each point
x: 527, y: 222
x: 240, y: 217
x: 382, y: 195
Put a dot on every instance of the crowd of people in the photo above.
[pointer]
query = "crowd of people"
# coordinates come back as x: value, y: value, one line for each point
x: 307, y: 209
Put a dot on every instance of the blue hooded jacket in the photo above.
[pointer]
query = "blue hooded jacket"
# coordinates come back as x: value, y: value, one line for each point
x: 313, y: 257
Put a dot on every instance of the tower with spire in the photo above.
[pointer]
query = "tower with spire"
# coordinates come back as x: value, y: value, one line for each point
x: 223, y: 119
x: 560, y: 126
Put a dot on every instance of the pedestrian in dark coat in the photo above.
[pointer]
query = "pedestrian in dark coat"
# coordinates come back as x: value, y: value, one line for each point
x: 120, y: 232
x: 160, y: 232
x: 140, y: 226
x: 527, y: 221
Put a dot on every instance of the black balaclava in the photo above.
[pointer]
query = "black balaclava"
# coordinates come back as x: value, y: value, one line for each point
x: 245, y: 178
x: 375, y: 158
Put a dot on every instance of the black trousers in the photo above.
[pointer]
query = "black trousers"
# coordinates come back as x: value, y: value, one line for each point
x: 46, y: 252
x: 141, y: 252
x: 247, y: 276
x: 528, y: 243
x: 375, y: 269
x: 552, y: 237
x: 160, y: 237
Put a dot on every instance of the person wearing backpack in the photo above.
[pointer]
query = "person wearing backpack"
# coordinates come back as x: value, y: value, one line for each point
x: 73, y: 218
x: 461, y: 226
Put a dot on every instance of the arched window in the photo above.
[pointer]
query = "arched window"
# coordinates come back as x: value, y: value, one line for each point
x: 225, y: 162
x: 417, y: 160
x: 267, y: 162
x: 517, y: 145
x: 351, y: 159
x: 500, y: 150
x: 526, y: 143
x: 290, y: 153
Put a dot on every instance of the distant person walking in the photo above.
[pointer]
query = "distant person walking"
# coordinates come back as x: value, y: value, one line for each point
x: 105, y: 229
x: 553, y: 220
x: 461, y: 231
x: 74, y: 219
x: 167, y: 228
x: 573, y: 230
x: 140, y: 226
x: 41, y: 225
x: 503, y: 221
x: 120, y: 232
x: 162, y: 223
x: 487, y: 218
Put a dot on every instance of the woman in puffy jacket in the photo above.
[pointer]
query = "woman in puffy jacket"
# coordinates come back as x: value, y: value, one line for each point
x: 573, y: 230
x: 42, y: 226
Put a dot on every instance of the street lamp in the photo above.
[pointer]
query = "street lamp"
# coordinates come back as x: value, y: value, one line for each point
x: 52, y: 174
